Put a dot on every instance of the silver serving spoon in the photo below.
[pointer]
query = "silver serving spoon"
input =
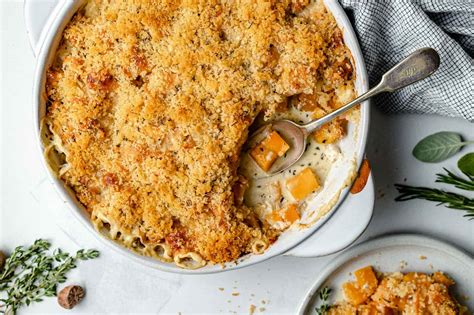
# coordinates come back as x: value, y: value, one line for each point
x: 413, y: 68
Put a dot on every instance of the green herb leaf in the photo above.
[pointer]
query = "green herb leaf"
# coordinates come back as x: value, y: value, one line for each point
x: 456, y: 181
x: 466, y: 164
x: 438, y: 147
x: 449, y: 199
x: 323, y: 294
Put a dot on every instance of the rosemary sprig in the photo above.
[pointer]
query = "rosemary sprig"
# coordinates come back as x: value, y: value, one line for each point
x: 449, y: 199
x: 324, y: 294
x: 458, y: 182
x: 30, y: 274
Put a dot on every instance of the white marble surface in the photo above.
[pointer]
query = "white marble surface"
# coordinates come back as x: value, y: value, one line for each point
x: 29, y: 209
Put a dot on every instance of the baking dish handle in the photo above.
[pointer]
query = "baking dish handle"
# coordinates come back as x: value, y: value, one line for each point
x: 39, y: 15
x: 343, y: 228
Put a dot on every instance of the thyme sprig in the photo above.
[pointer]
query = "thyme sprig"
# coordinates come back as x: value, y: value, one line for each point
x: 32, y: 273
x: 324, y: 295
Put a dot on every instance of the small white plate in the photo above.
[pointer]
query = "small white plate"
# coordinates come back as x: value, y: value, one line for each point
x: 402, y: 252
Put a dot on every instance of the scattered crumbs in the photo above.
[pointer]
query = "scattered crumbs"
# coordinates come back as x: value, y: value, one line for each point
x: 465, y: 298
x: 221, y: 289
x: 252, y: 309
x: 235, y: 287
x: 252, y: 295
x: 381, y: 193
x: 228, y: 301
x: 431, y: 266
x: 264, y: 302
x: 423, y: 257
x: 235, y: 293
x: 262, y: 309
x: 405, y: 179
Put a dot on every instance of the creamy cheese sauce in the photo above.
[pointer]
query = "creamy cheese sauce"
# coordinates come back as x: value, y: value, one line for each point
x: 268, y: 193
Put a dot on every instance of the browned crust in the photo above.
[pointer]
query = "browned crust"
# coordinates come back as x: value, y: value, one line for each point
x: 150, y: 102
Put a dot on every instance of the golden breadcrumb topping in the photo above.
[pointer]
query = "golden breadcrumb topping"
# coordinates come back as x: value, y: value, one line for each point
x: 397, y: 293
x: 150, y: 102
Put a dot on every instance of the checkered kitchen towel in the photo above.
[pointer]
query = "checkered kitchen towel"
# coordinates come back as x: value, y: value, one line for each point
x: 390, y: 30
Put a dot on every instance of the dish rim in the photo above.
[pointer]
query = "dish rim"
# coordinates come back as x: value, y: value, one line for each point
x: 55, y: 29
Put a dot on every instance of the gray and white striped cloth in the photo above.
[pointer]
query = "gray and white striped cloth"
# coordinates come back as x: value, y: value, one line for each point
x: 389, y: 30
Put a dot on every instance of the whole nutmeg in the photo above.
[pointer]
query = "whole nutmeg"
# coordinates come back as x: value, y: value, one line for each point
x: 70, y: 296
x: 3, y: 258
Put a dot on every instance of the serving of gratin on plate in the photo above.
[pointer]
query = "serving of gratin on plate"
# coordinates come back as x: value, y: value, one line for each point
x: 149, y: 106
x: 394, y: 274
x: 407, y: 293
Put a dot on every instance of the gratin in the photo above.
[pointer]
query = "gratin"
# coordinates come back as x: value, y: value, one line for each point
x: 149, y: 105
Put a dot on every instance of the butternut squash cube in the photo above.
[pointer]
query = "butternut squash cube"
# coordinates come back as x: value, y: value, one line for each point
x: 303, y: 184
x: 307, y: 102
x: 274, y: 142
x: 410, y: 277
x: 291, y: 213
x: 263, y: 156
x: 275, y: 216
x: 268, y: 150
x: 420, y: 279
x: 353, y: 294
x: 366, y: 279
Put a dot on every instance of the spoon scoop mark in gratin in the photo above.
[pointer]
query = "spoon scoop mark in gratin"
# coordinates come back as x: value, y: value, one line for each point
x: 417, y: 66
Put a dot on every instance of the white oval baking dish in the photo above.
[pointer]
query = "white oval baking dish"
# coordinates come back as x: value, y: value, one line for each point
x: 331, y: 233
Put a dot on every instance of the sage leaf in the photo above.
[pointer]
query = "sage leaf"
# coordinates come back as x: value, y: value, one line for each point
x: 438, y: 147
x: 466, y: 164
